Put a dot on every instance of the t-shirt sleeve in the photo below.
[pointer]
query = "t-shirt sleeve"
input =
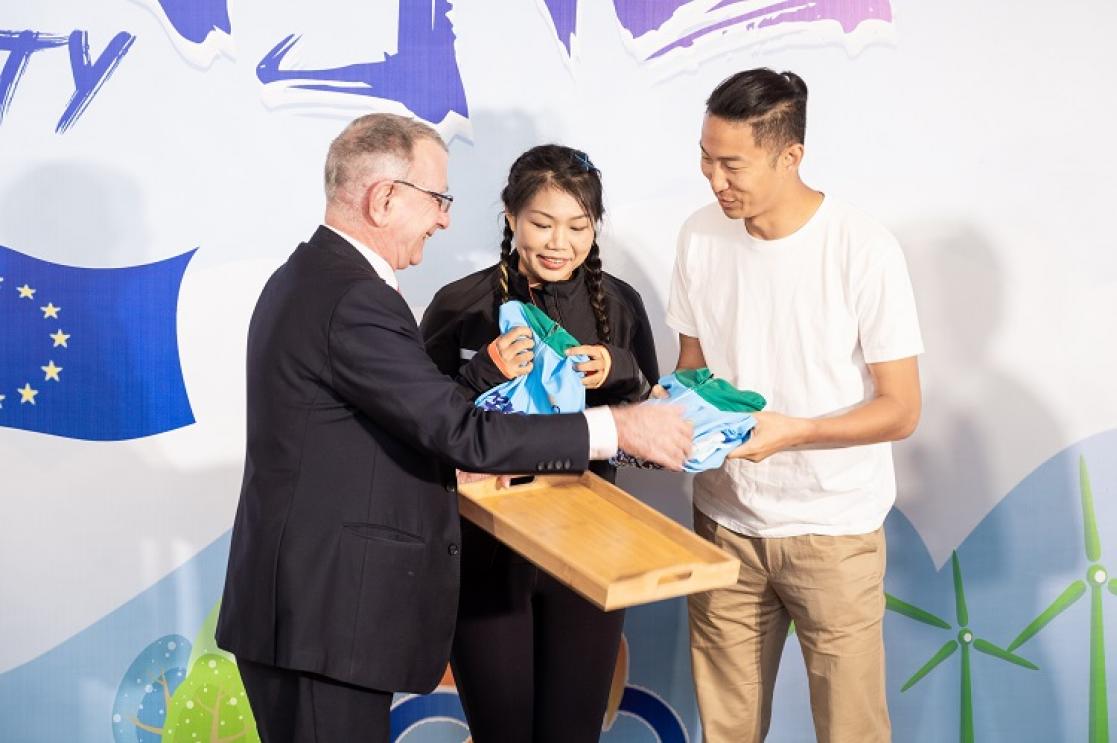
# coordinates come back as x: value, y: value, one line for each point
x: 680, y: 313
x: 885, y: 303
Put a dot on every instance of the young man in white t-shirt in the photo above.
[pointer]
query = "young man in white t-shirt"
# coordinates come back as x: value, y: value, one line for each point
x: 788, y: 291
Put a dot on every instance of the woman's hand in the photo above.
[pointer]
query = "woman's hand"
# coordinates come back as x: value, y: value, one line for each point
x: 595, y: 370
x: 512, y: 352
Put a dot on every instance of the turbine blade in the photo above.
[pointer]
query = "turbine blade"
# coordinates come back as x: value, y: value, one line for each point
x: 1089, y: 521
x: 1113, y: 586
x: 914, y: 612
x: 959, y: 592
x: 990, y: 649
x: 1099, y: 701
x: 1073, y: 592
x: 944, y: 652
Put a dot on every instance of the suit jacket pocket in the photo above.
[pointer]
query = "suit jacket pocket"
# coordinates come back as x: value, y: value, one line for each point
x: 382, y: 533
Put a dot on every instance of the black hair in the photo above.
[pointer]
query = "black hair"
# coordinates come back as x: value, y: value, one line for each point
x: 570, y: 171
x: 773, y: 103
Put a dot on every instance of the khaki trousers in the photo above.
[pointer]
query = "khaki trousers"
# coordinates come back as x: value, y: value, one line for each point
x: 833, y: 589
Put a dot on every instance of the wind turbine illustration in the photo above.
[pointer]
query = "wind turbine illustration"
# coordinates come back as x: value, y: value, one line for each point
x: 1096, y: 577
x: 965, y: 639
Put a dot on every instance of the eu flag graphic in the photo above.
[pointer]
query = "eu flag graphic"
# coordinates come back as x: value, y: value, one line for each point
x: 90, y: 353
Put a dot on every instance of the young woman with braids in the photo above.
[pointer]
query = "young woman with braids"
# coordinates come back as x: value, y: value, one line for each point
x: 533, y: 660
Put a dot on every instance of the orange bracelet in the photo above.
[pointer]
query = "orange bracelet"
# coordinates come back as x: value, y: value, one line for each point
x: 494, y: 354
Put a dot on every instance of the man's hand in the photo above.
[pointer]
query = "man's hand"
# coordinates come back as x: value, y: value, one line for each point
x: 595, y: 370
x: 657, y: 433
x: 512, y: 352
x: 773, y: 433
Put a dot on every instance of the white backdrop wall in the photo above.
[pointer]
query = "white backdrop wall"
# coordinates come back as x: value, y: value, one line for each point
x: 980, y: 134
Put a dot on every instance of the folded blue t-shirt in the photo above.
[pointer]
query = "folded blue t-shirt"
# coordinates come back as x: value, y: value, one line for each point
x: 721, y: 415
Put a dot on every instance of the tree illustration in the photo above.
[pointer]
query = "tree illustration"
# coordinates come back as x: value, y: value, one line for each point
x: 146, y: 691
x: 210, y: 705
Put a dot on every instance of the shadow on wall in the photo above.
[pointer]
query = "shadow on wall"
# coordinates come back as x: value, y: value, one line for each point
x: 977, y: 415
x: 978, y: 418
x: 478, y: 172
x: 77, y: 214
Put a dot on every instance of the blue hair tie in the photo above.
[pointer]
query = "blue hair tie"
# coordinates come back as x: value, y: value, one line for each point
x: 583, y: 160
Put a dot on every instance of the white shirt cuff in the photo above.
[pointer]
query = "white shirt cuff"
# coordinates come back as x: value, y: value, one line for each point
x: 603, y: 432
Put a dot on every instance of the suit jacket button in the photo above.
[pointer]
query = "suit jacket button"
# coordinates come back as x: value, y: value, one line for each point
x: 539, y: 467
x: 566, y: 464
x: 452, y: 549
x: 451, y: 487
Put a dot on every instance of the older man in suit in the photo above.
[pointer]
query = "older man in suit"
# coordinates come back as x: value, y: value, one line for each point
x: 342, y: 582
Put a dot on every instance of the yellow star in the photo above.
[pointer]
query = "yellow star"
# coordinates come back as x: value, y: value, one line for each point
x: 51, y: 371
x: 25, y: 292
x: 60, y: 338
x: 50, y: 311
x: 26, y: 394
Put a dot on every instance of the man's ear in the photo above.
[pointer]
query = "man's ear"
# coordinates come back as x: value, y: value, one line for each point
x: 791, y: 157
x: 378, y: 202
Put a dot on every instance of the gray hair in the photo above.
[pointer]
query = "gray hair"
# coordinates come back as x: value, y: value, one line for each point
x: 376, y: 145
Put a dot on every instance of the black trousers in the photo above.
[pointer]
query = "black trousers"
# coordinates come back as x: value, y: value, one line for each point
x: 297, y: 707
x: 533, y: 660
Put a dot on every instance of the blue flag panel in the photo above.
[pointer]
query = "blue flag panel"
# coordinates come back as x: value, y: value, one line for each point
x: 90, y: 353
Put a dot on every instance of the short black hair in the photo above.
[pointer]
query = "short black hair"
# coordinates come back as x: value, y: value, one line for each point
x: 774, y: 103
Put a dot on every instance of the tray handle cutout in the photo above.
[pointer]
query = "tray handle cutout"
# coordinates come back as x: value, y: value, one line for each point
x: 675, y: 577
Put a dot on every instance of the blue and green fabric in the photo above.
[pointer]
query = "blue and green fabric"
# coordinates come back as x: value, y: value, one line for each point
x: 721, y: 414
x: 553, y: 385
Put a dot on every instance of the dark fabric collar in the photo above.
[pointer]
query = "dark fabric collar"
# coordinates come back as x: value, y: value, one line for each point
x: 326, y: 239
x: 572, y: 287
x: 331, y: 240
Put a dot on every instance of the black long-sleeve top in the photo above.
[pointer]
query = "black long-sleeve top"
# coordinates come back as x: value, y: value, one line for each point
x: 462, y: 320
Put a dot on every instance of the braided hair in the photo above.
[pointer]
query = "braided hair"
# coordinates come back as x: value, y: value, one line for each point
x: 570, y: 171
x: 506, y: 267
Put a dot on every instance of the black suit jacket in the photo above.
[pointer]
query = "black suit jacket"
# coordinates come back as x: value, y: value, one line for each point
x: 344, y: 557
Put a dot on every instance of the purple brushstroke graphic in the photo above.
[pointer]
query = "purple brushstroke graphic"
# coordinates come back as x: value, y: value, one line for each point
x: 20, y: 45
x: 849, y: 13
x: 564, y: 14
x: 423, y: 75
x: 194, y: 20
x: 89, y: 75
x: 641, y: 16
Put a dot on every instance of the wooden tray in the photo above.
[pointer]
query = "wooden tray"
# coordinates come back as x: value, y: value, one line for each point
x: 597, y: 539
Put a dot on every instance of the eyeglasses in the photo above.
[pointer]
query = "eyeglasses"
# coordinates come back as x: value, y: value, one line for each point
x: 444, y: 200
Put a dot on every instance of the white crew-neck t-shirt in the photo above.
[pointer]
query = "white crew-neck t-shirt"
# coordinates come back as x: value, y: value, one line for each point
x: 797, y: 319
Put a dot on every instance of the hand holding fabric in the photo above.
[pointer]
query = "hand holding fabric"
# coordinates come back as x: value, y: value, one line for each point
x: 657, y: 433
x: 772, y: 434
x: 595, y: 370
x: 512, y: 352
